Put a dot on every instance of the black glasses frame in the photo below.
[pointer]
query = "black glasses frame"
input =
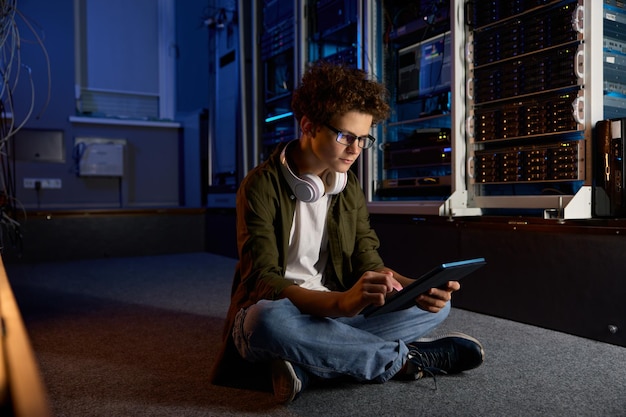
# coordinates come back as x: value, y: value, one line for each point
x: 347, y: 139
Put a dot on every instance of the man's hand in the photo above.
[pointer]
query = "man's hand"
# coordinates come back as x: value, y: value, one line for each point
x: 435, y: 299
x: 371, y: 288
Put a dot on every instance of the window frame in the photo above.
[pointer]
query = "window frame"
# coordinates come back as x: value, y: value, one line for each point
x: 166, y: 49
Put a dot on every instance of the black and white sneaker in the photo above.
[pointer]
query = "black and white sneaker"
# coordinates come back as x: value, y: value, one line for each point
x: 449, y: 354
x: 285, y: 381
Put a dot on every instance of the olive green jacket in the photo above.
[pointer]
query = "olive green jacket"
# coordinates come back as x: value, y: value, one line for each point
x: 265, y: 210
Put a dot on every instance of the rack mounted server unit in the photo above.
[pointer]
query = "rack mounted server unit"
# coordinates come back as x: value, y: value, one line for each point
x: 424, y: 151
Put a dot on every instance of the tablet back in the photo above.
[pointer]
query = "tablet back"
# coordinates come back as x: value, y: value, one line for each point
x: 436, y: 277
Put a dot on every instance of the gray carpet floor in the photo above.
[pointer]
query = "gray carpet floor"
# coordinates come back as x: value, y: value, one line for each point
x: 137, y: 337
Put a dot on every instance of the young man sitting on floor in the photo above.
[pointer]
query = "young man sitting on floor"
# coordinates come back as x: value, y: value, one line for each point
x: 308, y: 260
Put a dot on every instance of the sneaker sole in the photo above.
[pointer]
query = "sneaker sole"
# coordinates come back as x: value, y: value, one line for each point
x: 285, y: 382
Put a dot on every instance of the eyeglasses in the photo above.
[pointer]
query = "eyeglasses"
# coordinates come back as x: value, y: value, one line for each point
x: 348, y: 139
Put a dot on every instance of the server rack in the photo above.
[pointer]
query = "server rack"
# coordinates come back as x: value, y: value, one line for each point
x: 413, y: 170
x: 289, y: 34
x: 277, y: 72
x: 537, y: 83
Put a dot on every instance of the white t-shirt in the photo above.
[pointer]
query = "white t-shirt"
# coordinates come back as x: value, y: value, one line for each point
x: 308, y: 245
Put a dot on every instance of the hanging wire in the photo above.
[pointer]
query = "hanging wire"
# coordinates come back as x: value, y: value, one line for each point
x: 13, y: 72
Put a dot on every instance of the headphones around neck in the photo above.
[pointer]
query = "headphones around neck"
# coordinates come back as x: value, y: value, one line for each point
x: 309, y: 188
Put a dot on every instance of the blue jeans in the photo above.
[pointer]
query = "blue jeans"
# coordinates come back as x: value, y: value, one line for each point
x: 372, y: 349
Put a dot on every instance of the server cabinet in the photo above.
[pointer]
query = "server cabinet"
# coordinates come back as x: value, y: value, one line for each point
x: 417, y: 166
x: 277, y: 72
x: 288, y: 35
x: 539, y: 75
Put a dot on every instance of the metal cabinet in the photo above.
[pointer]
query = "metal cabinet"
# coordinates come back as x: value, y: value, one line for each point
x: 412, y: 168
x: 538, y: 78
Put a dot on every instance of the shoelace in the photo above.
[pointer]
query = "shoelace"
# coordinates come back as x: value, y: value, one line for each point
x: 424, y: 362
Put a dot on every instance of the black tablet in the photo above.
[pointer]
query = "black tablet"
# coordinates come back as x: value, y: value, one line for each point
x: 436, y: 277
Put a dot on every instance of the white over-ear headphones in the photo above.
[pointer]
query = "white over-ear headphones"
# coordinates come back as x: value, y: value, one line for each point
x: 309, y: 188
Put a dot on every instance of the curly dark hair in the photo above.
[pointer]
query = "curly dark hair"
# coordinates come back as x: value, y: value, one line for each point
x: 328, y: 90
